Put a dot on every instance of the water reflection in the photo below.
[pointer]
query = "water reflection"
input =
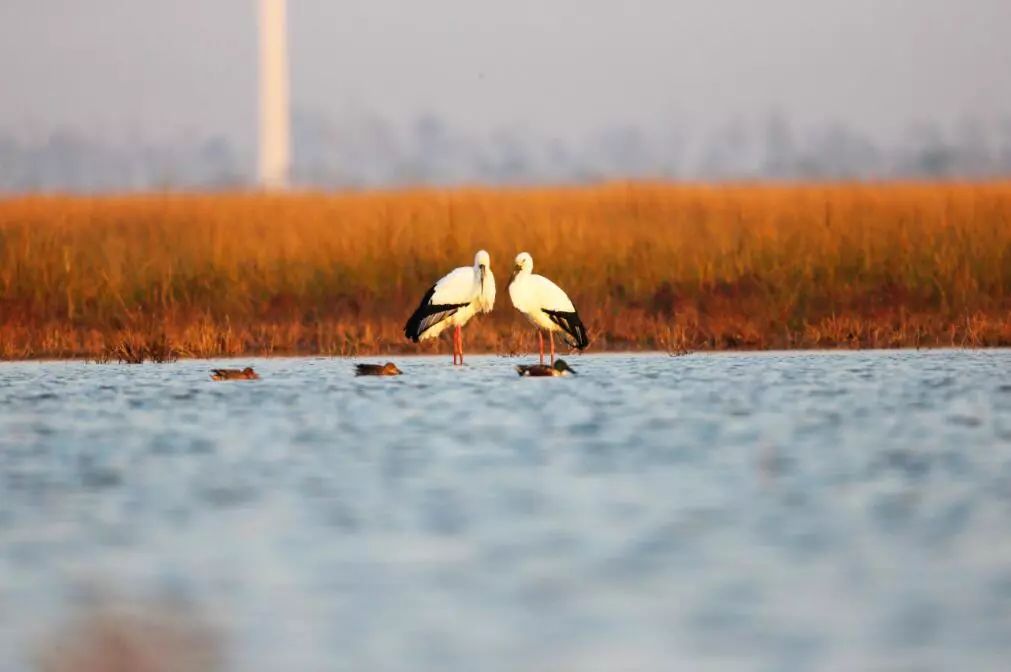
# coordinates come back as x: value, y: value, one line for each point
x: 115, y: 635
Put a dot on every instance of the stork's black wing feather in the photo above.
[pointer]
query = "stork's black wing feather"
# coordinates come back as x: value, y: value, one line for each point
x: 428, y: 315
x: 571, y: 325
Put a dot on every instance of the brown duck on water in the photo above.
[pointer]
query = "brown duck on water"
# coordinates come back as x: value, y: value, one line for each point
x: 559, y: 368
x: 234, y: 374
x: 387, y: 369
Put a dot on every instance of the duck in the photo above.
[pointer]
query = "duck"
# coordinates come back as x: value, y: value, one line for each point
x: 387, y: 369
x: 234, y: 374
x: 559, y: 368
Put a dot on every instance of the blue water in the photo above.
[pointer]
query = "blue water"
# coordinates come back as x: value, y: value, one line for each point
x: 801, y: 511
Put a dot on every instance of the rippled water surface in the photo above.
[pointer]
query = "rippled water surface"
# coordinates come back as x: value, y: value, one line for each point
x: 808, y: 511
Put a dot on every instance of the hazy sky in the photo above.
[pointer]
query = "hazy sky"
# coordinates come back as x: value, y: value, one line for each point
x: 166, y: 67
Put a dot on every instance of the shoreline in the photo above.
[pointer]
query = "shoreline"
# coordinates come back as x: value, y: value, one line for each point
x: 575, y: 356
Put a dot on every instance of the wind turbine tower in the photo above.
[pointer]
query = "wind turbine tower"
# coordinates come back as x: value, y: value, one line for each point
x: 275, y: 122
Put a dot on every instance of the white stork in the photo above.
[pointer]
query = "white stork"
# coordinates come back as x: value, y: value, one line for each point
x: 452, y: 301
x: 546, y: 306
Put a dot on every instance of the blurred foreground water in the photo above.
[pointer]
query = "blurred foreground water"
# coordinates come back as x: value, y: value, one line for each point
x: 774, y: 511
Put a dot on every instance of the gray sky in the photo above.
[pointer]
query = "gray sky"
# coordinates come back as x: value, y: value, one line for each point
x: 162, y: 68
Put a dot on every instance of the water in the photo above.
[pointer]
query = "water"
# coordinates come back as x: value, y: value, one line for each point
x: 809, y: 511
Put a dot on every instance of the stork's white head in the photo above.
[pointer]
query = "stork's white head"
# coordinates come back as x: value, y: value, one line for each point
x: 524, y: 263
x: 482, y: 267
x: 482, y: 260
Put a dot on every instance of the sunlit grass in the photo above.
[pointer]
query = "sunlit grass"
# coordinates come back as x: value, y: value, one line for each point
x: 648, y: 266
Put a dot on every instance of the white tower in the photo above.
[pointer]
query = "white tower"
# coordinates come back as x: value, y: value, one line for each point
x: 275, y: 124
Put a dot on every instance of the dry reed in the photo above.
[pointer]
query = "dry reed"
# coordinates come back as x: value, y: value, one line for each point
x: 650, y: 266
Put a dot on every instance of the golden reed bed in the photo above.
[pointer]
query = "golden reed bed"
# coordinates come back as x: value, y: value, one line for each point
x: 649, y: 267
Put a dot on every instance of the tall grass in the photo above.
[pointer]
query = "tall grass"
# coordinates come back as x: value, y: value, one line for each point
x: 649, y: 266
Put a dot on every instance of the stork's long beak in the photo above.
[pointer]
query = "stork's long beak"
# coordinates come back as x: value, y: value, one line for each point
x: 483, y: 272
x: 516, y: 269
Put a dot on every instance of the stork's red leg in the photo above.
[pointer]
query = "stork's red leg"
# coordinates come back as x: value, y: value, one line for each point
x: 540, y: 341
x: 459, y: 341
x: 454, y: 347
x: 551, y: 337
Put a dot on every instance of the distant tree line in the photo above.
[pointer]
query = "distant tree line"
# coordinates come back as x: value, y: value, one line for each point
x: 368, y: 151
